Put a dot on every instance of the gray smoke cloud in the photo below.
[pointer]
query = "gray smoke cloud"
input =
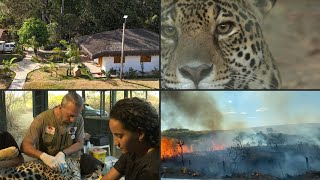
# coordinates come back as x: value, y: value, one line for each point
x: 186, y: 109
x: 199, y: 111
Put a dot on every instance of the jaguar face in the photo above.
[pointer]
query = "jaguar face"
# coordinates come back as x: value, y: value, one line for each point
x: 216, y: 44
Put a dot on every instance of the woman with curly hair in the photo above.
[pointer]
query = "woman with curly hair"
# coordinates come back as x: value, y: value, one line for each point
x: 135, y: 126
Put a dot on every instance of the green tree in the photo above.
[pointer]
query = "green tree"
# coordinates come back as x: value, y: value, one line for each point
x: 53, y: 68
x: 57, y: 54
x: 83, y: 17
x: 72, y: 54
x: 34, y: 43
x: 33, y: 32
x: 70, y: 25
x: 97, y: 16
x: 53, y: 31
x: 24, y: 9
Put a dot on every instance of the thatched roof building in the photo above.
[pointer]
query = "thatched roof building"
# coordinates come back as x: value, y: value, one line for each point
x: 137, y: 42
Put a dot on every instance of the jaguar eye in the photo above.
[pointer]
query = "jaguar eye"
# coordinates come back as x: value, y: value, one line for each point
x: 168, y: 30
x: 225, y: 28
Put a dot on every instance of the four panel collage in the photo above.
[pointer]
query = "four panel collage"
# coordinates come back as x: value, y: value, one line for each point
x: 159, y: 89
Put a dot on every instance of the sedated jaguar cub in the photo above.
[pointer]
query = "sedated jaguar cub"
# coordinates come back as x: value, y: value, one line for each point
x: 216, y: 44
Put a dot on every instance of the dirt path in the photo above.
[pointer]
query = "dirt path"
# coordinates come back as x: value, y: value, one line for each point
x: 292, y: 33
x: 24, y: 67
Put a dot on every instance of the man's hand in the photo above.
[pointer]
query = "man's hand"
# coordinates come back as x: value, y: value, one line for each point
x: 61, y: 158
x: 49, y: 161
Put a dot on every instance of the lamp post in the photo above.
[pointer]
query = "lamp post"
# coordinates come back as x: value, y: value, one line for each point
x: 124, y: 26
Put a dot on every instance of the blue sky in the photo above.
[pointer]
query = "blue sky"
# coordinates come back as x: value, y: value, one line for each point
x: 242, y: 109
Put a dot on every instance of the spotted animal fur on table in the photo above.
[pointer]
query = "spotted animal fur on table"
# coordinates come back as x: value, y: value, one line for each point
x: 38, y: 170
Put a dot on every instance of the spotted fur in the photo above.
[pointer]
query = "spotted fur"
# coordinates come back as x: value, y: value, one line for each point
x: 38, y: 170
x: 216, y: 44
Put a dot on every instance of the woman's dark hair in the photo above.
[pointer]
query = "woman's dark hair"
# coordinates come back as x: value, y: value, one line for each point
x: 135, y: 113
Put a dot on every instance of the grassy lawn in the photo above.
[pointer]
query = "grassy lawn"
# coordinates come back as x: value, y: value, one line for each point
x: 39, y: 79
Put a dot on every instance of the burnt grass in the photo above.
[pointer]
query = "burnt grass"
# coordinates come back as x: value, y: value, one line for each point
x: 261, y: 162
x: 296, y: 157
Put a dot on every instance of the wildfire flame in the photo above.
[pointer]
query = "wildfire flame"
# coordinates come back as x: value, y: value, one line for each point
x: 167, y: 148
x: 170, y: 147
x: 217, y: 147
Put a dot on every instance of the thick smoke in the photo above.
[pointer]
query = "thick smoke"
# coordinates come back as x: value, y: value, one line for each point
x: 287, y: 143
x: 194, y: 110
x: 261, y: 155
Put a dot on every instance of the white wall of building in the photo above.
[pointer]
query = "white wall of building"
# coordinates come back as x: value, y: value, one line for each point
x: 130, y: 61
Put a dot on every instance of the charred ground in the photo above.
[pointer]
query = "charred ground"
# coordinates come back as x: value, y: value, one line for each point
x: 273, y: 152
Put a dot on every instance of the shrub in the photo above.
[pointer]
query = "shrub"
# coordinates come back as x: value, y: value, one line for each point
x: 156, y: 72
x: 108, y: 74
x: 36, y: 59
x: 113, y: 71
x: 45, y: 68
x: 49, y: 47
x: 131, y: 74
x: 19, y: 49
x: 85, y: 73
x: 6, y: 66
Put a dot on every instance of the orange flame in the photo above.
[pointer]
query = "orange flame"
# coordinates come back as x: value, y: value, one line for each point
x: 170, y: 147
x: 186, y: 149
x: 217, y: 147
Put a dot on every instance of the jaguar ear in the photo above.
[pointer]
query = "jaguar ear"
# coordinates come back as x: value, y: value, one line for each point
x: 264, y: 6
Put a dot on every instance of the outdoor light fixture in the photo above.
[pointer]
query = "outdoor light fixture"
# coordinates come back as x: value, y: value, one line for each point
x: 122, y: 56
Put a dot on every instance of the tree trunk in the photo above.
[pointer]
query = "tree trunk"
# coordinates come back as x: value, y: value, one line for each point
x: 44, y: 11
x: 35, y: 50
x: 61, y: 18
x: 70, y: 69
x: 62, y: 7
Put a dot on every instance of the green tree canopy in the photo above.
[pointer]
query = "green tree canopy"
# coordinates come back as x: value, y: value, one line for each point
x: 33, y: 32
x: 68, y: 19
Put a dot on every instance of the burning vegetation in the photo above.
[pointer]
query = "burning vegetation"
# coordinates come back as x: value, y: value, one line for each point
x: 171, y: 147
x: 289, y: 151
x: 265, y: 152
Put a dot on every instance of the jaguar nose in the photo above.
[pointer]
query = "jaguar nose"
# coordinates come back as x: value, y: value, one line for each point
x: 196, y: 74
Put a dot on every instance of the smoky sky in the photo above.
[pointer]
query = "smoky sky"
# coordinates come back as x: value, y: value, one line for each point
x: 201, y: 110
x: 287, y: 108
x: 183, y: 109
